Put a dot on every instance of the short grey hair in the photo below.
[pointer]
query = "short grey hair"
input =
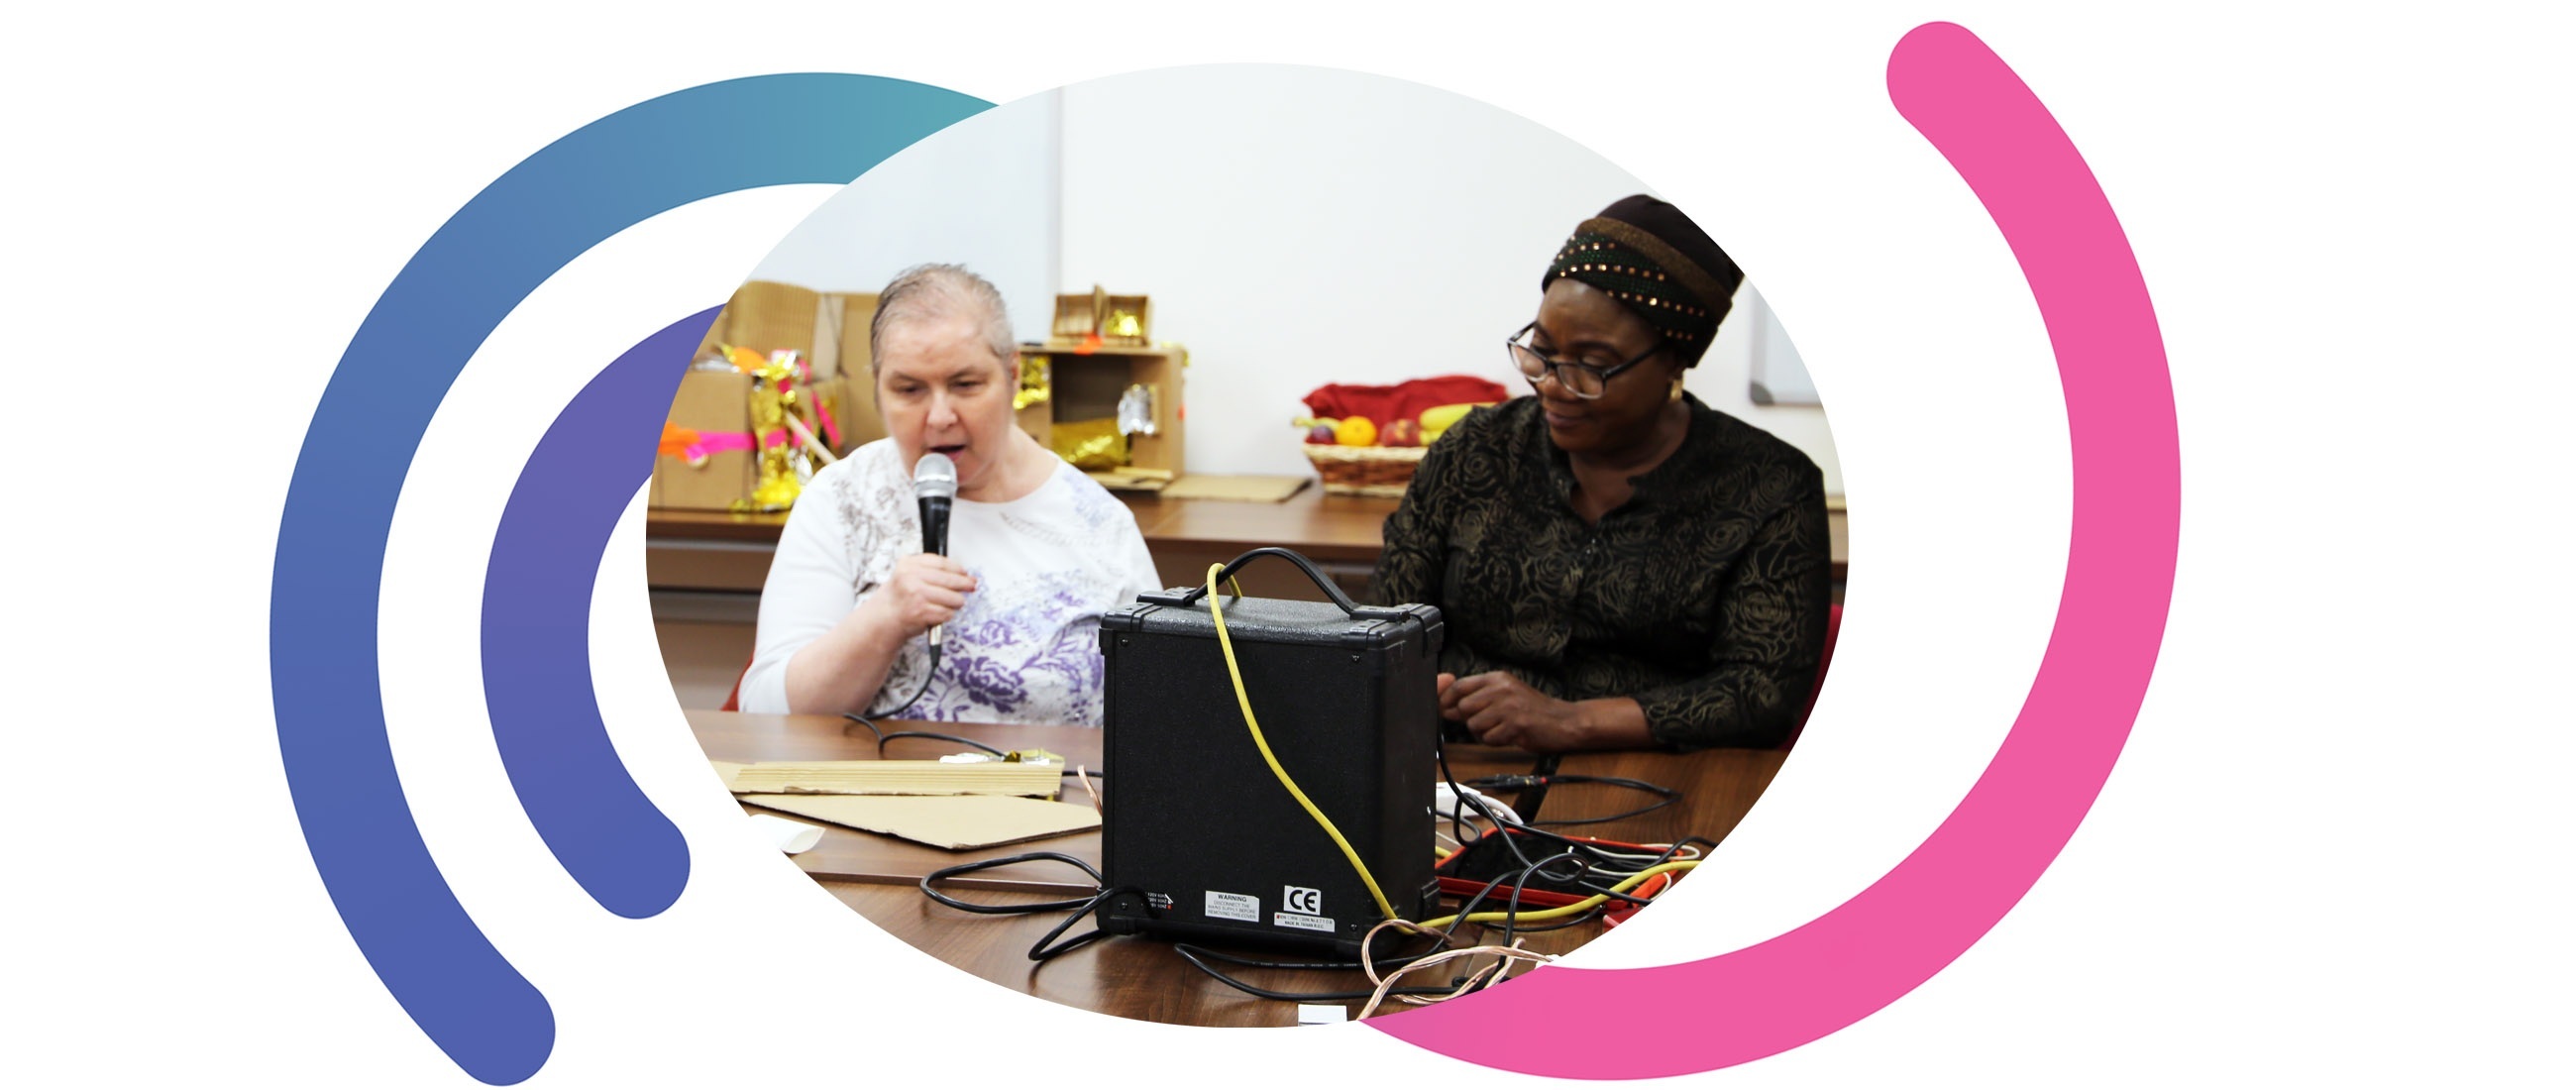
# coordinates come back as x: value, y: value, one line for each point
x: 936, y: 292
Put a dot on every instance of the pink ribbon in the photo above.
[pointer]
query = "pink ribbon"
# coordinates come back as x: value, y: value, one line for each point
x: 718, y: 442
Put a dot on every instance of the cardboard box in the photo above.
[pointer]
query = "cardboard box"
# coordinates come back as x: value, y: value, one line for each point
x: 853, y: 405
x: 851, y: 358
x: 1087, y: 386
x: 709, y: 402
x: 767, y: 317
x: 1126, y: 321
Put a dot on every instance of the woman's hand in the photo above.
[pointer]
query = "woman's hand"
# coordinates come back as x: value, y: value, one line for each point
x: 924, y: 589
x: 843, y: 669
x: 1501, y: 710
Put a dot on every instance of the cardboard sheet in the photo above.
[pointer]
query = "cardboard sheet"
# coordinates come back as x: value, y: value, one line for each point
x: 1131, y: 479
x: 954, y: 822
x: 1249, y: 489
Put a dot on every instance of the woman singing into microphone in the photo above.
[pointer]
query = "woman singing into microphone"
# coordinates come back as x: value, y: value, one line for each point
x: 1037, y: 551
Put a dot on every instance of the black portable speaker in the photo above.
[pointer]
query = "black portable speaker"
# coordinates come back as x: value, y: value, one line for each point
x: 1196, y: 825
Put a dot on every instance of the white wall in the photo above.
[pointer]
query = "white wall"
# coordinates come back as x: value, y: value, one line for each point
x: 1300, y: 226
x: 1722, y: 380
x: 1294, y: 226
x: 981, y: 193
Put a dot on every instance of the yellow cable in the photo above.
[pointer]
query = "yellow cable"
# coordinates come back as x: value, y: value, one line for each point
x: 1227, y: 645
x: 1584, y: 905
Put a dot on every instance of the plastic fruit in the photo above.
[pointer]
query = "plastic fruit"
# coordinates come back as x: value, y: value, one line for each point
x: 1322, y: 434
x: 1402, y: 433
x: 1356, y: 431
x: 1438, y: 418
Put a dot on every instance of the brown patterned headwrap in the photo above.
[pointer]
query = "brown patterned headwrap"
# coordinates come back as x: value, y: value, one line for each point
x: 1652, y: 259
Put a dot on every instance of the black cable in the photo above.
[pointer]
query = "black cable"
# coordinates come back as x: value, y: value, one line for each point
x: 863, y: 721
x: 1573, y: 849
x: 1668, y: 796
x: 1577, y: 920
x: 883, y: 739
x: 915, y: 698
x: 1041, y: 951
x: 1440, y: 753
x: 1638, y: 812
x: 1532, y: 804
x: 1666, y: 856
x: 1707, y: 846
x: 1458, y: 919
x: 1512, y: 909
x: 1073, y: 910
x: 1590, y: 857
x: 1607, y: 892
x: 1457, y: 798
x: 1512, y: 914
x: 1450, y: 936
x: 1076, y: 906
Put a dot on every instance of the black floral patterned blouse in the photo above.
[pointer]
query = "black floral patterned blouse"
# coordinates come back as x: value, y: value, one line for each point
x: 1703, y: 597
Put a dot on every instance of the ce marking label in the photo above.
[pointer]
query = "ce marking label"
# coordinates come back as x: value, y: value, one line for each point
x: 1301, y: 899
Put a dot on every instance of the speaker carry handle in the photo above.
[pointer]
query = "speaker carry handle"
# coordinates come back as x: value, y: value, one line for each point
x: 1193, y: 594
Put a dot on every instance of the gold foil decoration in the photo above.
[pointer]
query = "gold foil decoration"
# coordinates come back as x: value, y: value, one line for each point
x: 745, y: 360
x: 1090, y: 444
x: 779, y: 482
x: 1036, y: 383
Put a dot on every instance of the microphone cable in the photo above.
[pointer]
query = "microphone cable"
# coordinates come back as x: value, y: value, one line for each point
x: 915, y: 698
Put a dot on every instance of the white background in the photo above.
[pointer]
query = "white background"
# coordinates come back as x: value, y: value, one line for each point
x: 2333, y: 853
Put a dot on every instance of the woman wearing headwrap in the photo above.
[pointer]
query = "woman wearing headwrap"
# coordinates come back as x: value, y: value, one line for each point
x: 1618, y: 564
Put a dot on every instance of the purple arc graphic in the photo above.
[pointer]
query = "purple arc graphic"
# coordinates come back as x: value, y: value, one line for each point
x: 536, y: 630
x: 1919, y: 917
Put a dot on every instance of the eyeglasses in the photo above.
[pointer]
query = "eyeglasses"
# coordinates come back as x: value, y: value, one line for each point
x: 1583, y: 380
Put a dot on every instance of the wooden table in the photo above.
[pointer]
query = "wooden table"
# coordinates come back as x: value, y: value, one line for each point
x: 1144, y: 978
x: 717, y: 551
x: 1341, y: 534
x: 711, y: 550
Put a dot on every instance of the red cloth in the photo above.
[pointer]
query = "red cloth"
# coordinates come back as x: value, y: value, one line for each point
x: 1404, y: 400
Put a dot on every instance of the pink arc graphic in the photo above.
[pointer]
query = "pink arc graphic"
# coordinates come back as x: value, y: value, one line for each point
x: 1911, y: 923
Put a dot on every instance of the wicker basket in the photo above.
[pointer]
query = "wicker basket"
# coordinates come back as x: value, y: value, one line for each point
x: 1364, y: 471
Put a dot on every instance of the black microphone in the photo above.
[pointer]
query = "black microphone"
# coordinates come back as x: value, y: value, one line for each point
x: 934, y: 484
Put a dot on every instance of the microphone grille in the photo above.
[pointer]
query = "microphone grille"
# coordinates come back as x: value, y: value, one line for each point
x: 934, y: 475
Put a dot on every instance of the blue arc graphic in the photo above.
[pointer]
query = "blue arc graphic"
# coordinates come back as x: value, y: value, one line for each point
x: 323, y: 618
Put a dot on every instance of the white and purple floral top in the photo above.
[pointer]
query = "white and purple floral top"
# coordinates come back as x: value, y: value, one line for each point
x: 1026, y: 647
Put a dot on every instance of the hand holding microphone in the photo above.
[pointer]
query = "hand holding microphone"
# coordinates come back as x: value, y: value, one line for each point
x: 930, y: 587
x: 925, y: 591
